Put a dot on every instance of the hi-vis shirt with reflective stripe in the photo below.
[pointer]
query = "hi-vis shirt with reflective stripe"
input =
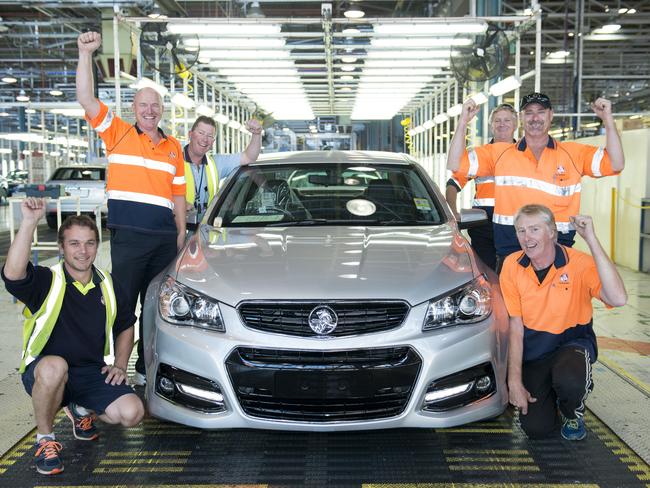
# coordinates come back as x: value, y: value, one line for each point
x: 484, y: 188
x: 212, y: 175
x: 140, y: 172
x: 38, y: 327
x: 553, y: 181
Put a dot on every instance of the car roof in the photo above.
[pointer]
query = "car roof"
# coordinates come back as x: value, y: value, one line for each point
x: 81, y: 166
x: 336, y: 157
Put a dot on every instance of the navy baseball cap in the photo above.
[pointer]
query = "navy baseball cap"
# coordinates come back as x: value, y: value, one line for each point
x: 538, y: 98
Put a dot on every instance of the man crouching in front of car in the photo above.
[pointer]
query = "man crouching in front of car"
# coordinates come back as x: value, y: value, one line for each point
x: 75, y: 314
x: 548, y: 289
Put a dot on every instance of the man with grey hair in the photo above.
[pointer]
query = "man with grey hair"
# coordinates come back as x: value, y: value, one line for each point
x: 145, y: 185
x: 503, y: 124
x: 547, y: 289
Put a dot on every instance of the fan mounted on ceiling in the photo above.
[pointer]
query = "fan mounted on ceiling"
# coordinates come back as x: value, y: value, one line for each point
x: 175, y: 53
x: 265, y: 118
x: 485, y: 58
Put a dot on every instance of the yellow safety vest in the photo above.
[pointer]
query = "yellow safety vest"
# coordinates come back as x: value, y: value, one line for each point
x: 38, y: 327
x: 212, y: 175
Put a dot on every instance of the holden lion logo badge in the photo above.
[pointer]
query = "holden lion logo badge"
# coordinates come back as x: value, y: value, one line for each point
x: 323, y: 320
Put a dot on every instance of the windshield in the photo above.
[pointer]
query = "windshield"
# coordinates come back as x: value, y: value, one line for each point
x: 327, y: 194
x: 91, y: 174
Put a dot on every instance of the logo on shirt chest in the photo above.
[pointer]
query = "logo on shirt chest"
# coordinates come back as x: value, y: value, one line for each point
x: 172, y: 155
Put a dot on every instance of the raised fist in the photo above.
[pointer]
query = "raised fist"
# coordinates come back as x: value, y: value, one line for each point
x: 89, y: 42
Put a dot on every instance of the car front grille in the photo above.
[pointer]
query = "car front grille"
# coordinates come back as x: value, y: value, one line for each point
x: 323, y: 386
x: 354, y: 318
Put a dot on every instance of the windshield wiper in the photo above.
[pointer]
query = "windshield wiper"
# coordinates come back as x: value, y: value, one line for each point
x: 296, y: 223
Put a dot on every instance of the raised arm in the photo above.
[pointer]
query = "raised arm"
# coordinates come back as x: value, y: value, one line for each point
x: 451, y: 194
x: 457, y: 144
x: 613, y: 291
x: 88, y: 43
x: 33, y: 209
x: 603, y: 109
x: 255, y: 145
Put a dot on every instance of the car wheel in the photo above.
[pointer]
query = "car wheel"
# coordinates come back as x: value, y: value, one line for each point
x: 51, y: 221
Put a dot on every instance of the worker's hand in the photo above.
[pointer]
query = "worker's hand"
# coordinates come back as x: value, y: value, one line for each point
x: 114, y: 374
x: 584, y: 226
x: 470, y: 109
x: 33, y: 209
x: 602, y: 108
x: 519, y: 397
x: 254, y: 126
x: 89, y: 42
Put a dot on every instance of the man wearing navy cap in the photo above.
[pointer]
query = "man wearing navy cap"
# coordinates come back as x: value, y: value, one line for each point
x: 537, y: 168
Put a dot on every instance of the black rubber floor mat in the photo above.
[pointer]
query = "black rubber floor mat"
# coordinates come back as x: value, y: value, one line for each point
x: 485, y: 454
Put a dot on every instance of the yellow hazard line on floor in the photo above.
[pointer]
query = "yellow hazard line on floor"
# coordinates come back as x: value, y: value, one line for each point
x: 129, y: 462
x: 490, y: 459
x: 147, y: 453
x: 463, y: 450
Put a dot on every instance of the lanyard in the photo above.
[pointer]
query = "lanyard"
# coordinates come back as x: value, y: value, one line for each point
x: 197, y: 190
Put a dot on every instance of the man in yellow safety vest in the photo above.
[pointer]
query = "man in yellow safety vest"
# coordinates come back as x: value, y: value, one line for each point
x: 74, y: 317
x: 203, y: 170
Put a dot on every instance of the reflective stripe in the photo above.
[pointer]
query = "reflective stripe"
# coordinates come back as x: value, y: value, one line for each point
x: 563, y: 227
x: 535, y: 184
x: 473, y: 163
x: 483, y: 202
x: 484, y: 179
x: 116, y: 158
x: 213, y: 177
x: 595, y: 161
x: 50, y: 305
x: 140, y: 197
x: 106, y: 123
x: 178, y: 180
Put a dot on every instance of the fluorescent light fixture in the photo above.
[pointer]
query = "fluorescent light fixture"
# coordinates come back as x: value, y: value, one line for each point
x: 350, y: 31
x: 204, y: 110
x: 408, y: 73
x: 622, y: 10
x: 267, y: 72
x: 4, y: 150
x: 233, y: 124
x: 256, y: 79
x: 345, y: 89
x: 419, y: 42
x: 252, y: 63
x: 69, y: 112
x: 349, y: 59
x: 607, y: 29
x: 455, y: 110
x: 347, y: 68
x: 56, y: 93
x: 437, y: 28
x: 413, y: 55
x: 224, y: 29
x: 9, y: 79
x: 605, y: 37
x: 479, y: 98
x: 233, y: 42
x: 631, y: 11
x: 22, y: 96
x: 549, y: 60
x: 406, y: 63
x: 428, y: 124
x: 221, y: 118
x: 559, y: 54
x: 354, y: 12
x: 30, y: 111
x: 440, y: 118
x: 149, y: 83
x: 183, y: 100
x: 55, y: 153
x: 4, y: 114
x: 504, y: 86
x: 347, y: 78
x: 388, y: 79
x: 244, y: 54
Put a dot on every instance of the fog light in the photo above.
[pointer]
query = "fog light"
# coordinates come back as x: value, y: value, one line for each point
x: 166, y: 385
x: 210, y: 396
x: 433, y: 396
x: 483, y: 384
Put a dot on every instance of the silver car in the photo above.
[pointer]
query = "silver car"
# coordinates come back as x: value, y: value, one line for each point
x: 83, y: 181
x: 327, y: 291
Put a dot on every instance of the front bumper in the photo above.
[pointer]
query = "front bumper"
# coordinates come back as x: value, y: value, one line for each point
x: 271, y: 381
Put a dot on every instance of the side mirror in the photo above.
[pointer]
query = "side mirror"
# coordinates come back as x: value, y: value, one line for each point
x: 472, y: 217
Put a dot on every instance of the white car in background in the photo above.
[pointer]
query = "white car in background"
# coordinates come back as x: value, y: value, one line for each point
x: 85, y: 181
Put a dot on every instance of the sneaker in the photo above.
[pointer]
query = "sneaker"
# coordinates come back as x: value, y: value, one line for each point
x: 573, y: 429
x: 47, y: 459
x: 83, y: 426
x: 139, y: 379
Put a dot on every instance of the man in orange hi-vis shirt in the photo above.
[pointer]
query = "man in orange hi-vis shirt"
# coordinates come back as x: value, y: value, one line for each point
x: 548, y: 289
x: 145, y: 185
x: 503, y: 123
x: 537, y: 168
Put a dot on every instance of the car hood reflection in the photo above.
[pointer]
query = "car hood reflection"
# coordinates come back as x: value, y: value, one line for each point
x: 307, y: 263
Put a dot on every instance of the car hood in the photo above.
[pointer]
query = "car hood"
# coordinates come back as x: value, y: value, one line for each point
x: 320, y: 263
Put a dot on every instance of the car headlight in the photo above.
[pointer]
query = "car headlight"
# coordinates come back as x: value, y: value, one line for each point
x: 470, y: 303
x: 181, y: 305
